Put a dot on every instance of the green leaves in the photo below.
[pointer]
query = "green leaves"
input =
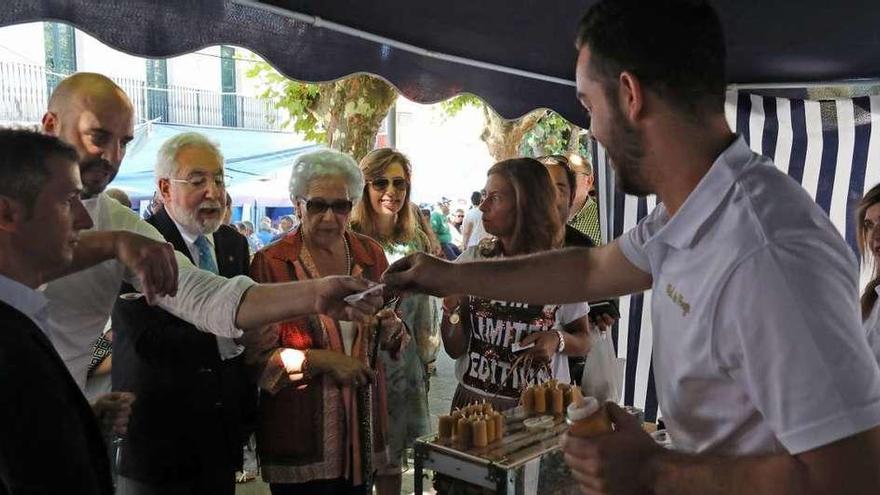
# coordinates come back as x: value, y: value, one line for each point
x: 553, y: 135
x: 344, y: 114
x: 455, y: 105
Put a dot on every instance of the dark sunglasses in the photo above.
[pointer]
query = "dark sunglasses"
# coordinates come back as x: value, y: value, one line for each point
x: 382, y: 184
x: 318, y: 206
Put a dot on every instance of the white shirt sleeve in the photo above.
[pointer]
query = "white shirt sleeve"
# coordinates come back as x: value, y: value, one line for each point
x: 568, y: 313
x: 787, y: 329
x: 206, y: 300
x: 632, y: 243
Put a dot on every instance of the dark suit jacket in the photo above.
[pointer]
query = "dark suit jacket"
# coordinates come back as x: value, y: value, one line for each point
x: 193, y: 410
x: 50, y: 442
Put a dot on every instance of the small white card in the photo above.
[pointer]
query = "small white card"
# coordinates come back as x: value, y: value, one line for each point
x: 515, y: 347
x: 354, y: 298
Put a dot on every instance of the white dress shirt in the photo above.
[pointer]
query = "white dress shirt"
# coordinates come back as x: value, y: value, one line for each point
x: 80, y: 304
x: 30, y: 302
x: 758, y: 346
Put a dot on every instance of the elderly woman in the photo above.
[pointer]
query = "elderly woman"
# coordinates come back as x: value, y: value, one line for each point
x: 387, y: 215
x: 322, y: 431
x: 868, y: 234
x: 520, y: 212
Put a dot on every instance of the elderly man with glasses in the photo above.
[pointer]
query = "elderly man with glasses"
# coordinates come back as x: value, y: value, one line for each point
x: 193, y: 396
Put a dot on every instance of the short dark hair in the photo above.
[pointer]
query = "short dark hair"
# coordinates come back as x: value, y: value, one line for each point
x: 476, y: 198
x: 675, y: 47
x: 563, y: 162
x: 24, y: 168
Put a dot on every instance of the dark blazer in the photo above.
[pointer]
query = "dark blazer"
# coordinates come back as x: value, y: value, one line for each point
x: 50, y: 442
x: 193, y: 410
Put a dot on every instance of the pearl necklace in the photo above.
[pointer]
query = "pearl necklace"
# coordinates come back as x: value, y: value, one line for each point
x: 348, y: 261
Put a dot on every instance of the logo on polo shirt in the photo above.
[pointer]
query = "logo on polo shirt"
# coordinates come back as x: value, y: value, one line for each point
x: 678, y: 299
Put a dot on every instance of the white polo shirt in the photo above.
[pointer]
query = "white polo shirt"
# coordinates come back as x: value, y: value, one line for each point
x: 758, y: 345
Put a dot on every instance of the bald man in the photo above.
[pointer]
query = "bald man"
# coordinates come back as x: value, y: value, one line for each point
x: 93, y: 115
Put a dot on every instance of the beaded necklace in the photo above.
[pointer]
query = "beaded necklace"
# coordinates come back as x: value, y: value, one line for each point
x: 310, y: 264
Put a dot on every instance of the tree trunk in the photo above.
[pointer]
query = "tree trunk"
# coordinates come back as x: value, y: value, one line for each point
x: 503, y: 137
x: 574, y: 139
x: 351, y: 110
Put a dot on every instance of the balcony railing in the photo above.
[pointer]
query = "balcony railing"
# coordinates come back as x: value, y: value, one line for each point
x: 24, y: 96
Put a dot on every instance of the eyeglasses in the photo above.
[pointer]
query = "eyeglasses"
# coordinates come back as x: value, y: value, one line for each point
x: 199, y: 181
x: 382, y: 183
x: 318, y: 206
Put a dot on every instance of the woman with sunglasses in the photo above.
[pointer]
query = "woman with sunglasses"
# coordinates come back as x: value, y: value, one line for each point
x: 520, y: 212
x: 387, y: 216
x: 323, y: 431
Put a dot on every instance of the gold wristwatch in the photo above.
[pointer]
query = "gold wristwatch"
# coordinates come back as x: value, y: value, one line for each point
x: 454, y: 317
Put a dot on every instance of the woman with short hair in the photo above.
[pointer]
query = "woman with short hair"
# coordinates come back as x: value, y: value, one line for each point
x: 323, y: 431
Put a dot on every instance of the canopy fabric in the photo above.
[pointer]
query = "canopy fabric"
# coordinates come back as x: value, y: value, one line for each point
x: 830, y: 147
x: 768, y: 41
x: 251, y: 157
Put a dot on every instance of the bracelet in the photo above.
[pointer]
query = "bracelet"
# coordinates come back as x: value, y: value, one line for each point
x: 561, y: 346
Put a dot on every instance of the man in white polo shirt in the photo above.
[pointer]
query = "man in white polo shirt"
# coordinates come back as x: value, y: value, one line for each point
x: 762, y: 372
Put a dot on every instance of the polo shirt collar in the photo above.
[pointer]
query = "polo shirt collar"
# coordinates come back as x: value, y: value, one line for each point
x: 681, y: 230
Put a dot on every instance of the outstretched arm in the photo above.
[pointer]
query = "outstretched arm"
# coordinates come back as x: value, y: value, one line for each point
x: 550, y: 277
x: 151, y: 262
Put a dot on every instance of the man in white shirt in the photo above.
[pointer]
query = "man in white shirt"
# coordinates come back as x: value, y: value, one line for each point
x: 765, y: 379
x: 92, y: 114
x: 45, y: 421
x: 472, y: 231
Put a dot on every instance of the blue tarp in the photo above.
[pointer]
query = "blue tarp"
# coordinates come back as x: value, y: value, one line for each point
x: 250, y: 155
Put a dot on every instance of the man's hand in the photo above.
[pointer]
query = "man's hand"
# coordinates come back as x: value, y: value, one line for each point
x: 394, y: 335
x: 603, y: 322
x: 331, y: 291
x: 419, y: 273
x: 152, y: 262
x: 113, y: 410
x: 342, y: 369
x: 609, y: 464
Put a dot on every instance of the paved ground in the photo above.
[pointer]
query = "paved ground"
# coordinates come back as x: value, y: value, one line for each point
x: 440, y: 396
